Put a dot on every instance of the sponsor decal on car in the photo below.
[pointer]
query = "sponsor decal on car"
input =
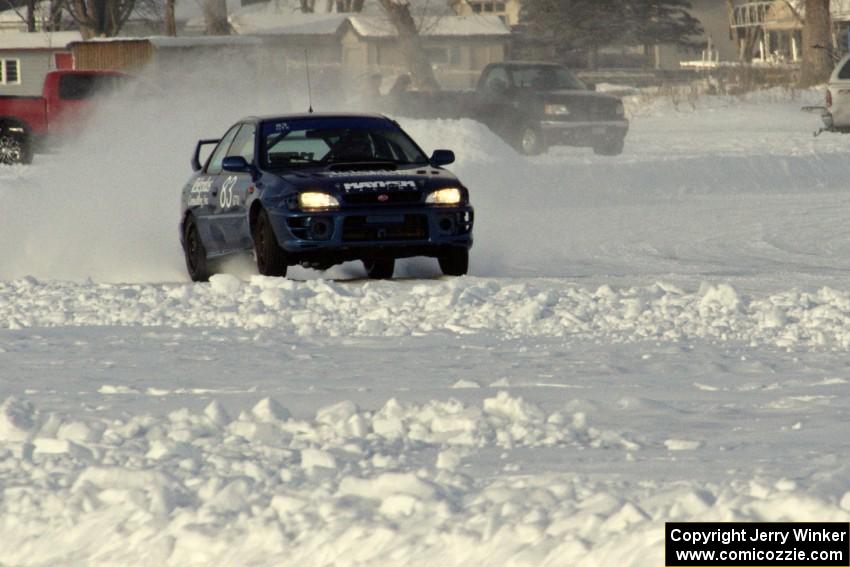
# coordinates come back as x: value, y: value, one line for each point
x: 383, y: 185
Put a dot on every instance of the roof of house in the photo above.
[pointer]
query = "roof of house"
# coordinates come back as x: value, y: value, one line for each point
x: 444, y: 26
x: 266, y: 23
x: 37, y: 40
x: 166, y: 42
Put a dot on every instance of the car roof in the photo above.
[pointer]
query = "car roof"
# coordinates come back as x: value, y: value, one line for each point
x: 529, y: 64
x: 314, y: 116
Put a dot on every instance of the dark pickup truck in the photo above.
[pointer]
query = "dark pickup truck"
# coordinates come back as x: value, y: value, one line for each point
x: 27, y: 123
x: 532, y: 106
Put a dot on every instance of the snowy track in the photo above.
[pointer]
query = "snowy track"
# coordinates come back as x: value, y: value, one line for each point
x: 496, y: 307
x: 660, y: 336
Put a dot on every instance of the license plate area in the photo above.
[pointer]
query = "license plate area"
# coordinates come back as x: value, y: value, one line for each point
x: 598, y: 130
x: 406, y: 227
x: 385, y: 219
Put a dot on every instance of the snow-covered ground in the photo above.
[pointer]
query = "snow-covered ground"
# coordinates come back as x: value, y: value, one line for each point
x: 659, y: 336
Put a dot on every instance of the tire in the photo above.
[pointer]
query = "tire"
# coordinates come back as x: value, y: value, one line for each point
x: 610, y: 147
x: 271, y: 258
x: 530, y: 141
x: 455, y: 262
x: 14, y: 149
x: 197, y: 264
x: 379, y: 269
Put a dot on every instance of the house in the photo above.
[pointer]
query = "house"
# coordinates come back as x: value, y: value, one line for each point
x: 506, y: 10
x: 717, y: 42
x: 166, y: 54
x: 772, y: 31
x: 459, y: 47
x: 25, y: 58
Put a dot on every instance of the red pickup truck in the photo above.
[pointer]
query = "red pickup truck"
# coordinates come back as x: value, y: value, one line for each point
x: 29, y: 123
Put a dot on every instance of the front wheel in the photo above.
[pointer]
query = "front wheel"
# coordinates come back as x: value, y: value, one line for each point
x: 14, y: 149
x: 455, y: 262
x: 196, y: 255
x: 271, y: 258
x: 530, y: 141
x: 379, y: 269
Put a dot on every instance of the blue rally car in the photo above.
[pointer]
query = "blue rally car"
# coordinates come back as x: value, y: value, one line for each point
x: 321, y: 189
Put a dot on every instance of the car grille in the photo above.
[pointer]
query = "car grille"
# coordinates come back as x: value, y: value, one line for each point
x: 589, y: 109
x: 401, y: 197
x: 357, y: 229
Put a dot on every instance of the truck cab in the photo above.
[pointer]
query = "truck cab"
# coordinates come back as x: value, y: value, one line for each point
x: 29, y: 124
x: 538, y: 105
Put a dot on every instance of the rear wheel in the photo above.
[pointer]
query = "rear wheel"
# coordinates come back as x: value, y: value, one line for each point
x: 271, y: 258
x: 455, y: 262
x: 14, y: 148
x: 196, y: 255
x: 380, y: 268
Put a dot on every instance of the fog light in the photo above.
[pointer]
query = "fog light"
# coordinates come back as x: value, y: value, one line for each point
x: 320, y: 228
x: 447, y: 225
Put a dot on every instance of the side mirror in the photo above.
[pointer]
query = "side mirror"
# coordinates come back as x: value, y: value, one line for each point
x: 236, y: 164
x: 442, y: 157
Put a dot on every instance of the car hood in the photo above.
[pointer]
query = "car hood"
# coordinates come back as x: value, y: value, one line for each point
x: 421, y: 178
x: 577, y: 95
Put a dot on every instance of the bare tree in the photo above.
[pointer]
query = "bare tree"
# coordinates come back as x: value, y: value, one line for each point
x: 215, y: 17
x: 817, y: 43
x: 28, y: 15
x: 398, y: 12
x: 100, y: 18
x: 168, y: 20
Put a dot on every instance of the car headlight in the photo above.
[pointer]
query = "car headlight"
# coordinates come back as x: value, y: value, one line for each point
x: 558, y: 109
x: 315, y: 200
x: 450, y: 196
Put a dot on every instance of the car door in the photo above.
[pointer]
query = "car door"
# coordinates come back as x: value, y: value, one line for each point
x: 839, y: 89
x: 210, y: 219
x: 233, y: 195
x: 495, y: 108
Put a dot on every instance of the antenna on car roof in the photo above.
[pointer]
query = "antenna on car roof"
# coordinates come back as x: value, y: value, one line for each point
x: 309, y: 91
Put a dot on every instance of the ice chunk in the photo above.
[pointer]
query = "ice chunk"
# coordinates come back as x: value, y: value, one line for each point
x: 17, y: 420
x: 269, y: 410
x: 312, y: 458
x: 225, y: 284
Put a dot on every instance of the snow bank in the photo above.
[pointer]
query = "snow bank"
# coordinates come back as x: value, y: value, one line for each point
x: 345, y: 488
x: 544, y: 308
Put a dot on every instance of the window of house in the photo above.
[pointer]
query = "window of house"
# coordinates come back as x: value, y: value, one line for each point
x: 437, y: 55
x: 476, y: 8
x: 500, y: 6
x: 10, y: 71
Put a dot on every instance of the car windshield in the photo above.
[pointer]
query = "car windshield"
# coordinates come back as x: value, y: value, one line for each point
x: 546, y: 77
x: 305, y: 142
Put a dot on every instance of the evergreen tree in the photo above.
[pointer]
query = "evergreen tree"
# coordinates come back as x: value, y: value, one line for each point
x: 591, y: 24
x: 654, y: 22
x: 576, y: 24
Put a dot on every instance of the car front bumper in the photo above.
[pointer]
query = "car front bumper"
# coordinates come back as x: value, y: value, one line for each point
x: 584, y: 133
x: 358, y: 233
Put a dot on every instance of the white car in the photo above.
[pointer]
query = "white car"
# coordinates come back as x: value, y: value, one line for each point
x: 836, y: 115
